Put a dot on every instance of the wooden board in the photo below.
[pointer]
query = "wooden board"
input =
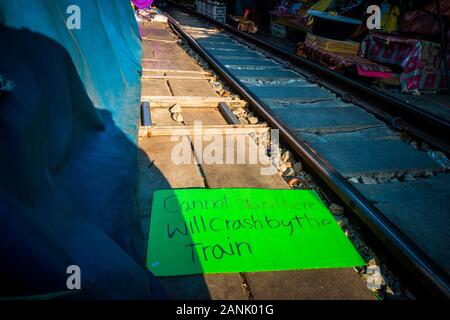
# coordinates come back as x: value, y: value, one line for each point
x: 163, y: 117
x: 148, y: 75
x: 181, y: 72
x: 155, y: 88
x: 323, y: 284
x: 169, y: 51
x: 191, y: 100
x: 205, y: 287
x: 178, y: 130
x: 154, y: 30
x: 240, y: 175
x: 301, y: 284
x: 147, y: 51
x: 199, y: 88
x: 156, y: 172
x: 169, y: 65
x: 207, y: 116
x: 148, y: 64
x: 195, y: 104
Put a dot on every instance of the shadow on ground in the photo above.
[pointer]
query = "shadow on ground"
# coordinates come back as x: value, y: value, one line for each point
x: 67, y: 182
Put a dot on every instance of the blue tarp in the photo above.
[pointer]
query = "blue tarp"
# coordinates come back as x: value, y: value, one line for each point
x: 68, y: 127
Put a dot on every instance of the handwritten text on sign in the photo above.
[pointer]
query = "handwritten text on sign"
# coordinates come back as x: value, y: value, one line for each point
x: 196, y: 231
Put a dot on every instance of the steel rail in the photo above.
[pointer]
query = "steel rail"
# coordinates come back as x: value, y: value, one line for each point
x: 420, y: 123
x: 425, y: 270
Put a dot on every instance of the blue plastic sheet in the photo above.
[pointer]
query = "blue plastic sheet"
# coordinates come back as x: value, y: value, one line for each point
x: 68, y: 129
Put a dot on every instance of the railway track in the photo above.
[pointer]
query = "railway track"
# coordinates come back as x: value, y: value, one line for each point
x: 176, y: 95
x: 401, y: 114
x: 399, y: 192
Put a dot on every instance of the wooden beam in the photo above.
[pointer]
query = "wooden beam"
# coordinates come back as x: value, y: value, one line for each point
x: 159, y: 40
x: 191, y: 101
x: 147, y: 76
x: 172, y: 70
x: 203, y: 130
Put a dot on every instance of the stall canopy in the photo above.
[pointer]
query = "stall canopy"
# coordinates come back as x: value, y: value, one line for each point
x: 68, y: 125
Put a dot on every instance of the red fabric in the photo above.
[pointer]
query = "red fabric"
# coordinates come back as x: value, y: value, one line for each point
x: 421, y: 61
x: 420, y: 22
x: 344, y: 61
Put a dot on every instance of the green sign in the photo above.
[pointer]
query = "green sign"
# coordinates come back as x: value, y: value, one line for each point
x: 194, y: 231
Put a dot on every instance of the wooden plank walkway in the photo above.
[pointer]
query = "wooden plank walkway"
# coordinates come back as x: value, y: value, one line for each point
x: 163, y: 90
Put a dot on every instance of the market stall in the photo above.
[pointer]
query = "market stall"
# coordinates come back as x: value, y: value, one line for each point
x: 394, y: 43
x: 404, y: 50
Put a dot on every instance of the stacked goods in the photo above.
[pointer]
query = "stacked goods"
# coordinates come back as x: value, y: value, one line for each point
x: 344, y: 62
x: 421, y: 63
x: 278, y: 30
x: 342, y: 56
x: 213, y: 9
x: 329, y: 42
x: 332, y: 45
